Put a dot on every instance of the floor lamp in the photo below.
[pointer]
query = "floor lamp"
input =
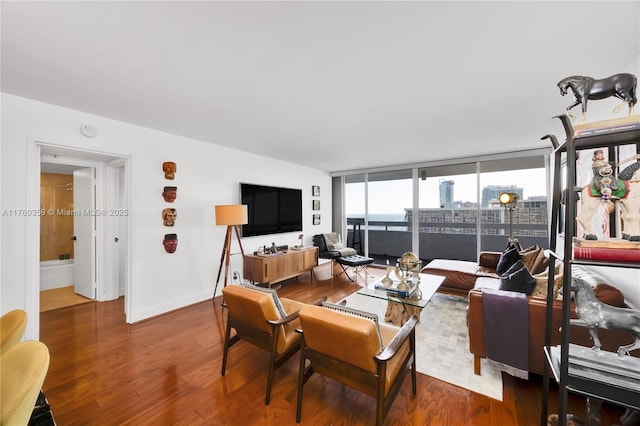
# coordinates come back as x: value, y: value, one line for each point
x: 510, y: 200
x: 232, y: 216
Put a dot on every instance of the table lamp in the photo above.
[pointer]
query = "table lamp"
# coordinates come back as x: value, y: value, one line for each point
x: 232, y: 216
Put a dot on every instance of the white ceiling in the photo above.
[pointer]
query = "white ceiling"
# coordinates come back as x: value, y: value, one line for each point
x: 331, y: 85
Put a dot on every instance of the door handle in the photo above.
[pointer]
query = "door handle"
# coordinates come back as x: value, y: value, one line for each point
x: 74, y: 238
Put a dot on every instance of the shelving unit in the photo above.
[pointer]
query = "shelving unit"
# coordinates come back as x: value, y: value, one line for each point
x: 558, y: 360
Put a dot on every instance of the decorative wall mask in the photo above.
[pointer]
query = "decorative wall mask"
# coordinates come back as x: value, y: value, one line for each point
x: 169, y: 169
x: 170, y: 193
x: 169, y: 217
x: 170, y: 242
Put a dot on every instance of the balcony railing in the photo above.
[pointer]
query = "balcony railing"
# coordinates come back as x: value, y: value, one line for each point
x: 445, y: 240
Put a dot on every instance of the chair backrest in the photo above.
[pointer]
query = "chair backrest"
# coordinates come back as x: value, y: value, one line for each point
x: 342, y: 336
x: 318, y: 240
x: 12, y: 326
x: 251, y: 307
x: 24, y: 368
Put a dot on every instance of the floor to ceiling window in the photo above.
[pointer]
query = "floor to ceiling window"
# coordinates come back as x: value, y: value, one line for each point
x: 458, y: 212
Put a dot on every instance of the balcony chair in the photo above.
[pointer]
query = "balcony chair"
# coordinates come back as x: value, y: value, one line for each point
x: 349, y: 346
x: 24, y: 368
x: 12, y: 326
x: 261, y: 318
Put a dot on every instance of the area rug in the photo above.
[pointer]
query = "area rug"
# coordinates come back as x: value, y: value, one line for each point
x: 442, y: 343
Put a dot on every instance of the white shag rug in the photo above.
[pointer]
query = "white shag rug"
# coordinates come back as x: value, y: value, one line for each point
x: 442, y: 343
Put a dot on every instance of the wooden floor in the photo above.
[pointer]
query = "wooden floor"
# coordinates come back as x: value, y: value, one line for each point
x: 166, y: 371
x: 60, y: 298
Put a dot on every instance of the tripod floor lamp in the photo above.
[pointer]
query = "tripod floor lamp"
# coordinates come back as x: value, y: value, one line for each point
x: 510, y: 200
x: 232, y: 216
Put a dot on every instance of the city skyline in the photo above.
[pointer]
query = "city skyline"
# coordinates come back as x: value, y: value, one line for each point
x: 393, y: 196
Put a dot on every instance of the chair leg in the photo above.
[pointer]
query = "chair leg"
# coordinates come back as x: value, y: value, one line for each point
x: 225, y: 351
x: 476, y: 364
x: 300, y: 385
x: 272, y: 367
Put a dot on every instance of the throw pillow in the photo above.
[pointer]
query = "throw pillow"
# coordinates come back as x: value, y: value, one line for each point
x: 529, y: 257
x: 540, y: 290
x: 517, y: 278
x: 270, y: 291
x: 508, y: 257
x: 331, y: 239
x: 357, y: 313
x: 540, y: 264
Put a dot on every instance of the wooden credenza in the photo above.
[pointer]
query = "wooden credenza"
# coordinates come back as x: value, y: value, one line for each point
x: 269, y: 269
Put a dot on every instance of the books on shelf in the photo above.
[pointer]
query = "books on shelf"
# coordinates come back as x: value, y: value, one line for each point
x: 611, y: 249
x: 630, y: 122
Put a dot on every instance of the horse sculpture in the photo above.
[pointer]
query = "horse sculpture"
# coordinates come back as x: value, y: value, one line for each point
x: 594, y: 314
x: 622, y: 86
x: 627, y: 196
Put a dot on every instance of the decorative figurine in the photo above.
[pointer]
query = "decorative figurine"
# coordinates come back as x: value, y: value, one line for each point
x: 170, y: 193
x: 622, y: 86
x: 601, y: 192
x: 169, y: 217
x: 386, y: 281
x: 594, y: 314
x: 169, y: 169
x: 170, y: 242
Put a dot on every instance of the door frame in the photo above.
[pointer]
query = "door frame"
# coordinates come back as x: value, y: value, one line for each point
x: 107, y: 287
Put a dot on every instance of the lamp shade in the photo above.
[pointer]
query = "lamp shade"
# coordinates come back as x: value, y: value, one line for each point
x: 234, y: 214
x: 508, y: 198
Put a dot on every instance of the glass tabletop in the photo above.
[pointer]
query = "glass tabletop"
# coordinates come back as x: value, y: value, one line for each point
x: 420, y: 298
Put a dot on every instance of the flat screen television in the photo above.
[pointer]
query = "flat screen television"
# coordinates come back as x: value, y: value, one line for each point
x: 271, y: 210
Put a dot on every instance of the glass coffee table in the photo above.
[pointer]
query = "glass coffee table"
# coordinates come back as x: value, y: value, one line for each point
x: 400, y: 309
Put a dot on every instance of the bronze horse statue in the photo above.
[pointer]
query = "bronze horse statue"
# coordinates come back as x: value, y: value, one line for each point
x: 622, y: 86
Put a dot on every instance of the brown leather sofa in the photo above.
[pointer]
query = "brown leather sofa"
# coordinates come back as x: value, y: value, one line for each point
x: 461, y: 275
x: 611, y: 339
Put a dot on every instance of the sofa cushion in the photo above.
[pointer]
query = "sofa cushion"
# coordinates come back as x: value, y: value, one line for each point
x: 610, y: 295
x: 517, y: 278
x: 509, y: 256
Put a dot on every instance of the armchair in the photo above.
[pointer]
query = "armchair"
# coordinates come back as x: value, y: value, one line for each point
x: 24, y: 368
x: 12, y: 326
x: 261, y: 318
x: 344, y: 345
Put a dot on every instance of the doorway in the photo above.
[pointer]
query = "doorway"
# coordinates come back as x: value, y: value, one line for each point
x: 109, y: 255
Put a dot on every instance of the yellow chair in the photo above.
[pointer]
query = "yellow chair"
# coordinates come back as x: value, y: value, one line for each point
x: 23, y: 369
x: 349, y: 346
x: 12, y: 326
x: 261, y: 318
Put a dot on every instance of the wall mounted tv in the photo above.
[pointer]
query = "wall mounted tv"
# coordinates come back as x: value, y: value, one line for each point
x: 272, y: 210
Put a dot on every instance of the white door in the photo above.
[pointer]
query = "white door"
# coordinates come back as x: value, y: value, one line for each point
x: 84, y: 230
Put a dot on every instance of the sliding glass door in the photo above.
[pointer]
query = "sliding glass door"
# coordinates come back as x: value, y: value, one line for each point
x: 447, y: 211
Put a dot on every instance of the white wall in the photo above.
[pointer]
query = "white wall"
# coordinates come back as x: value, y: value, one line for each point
x: 207, y: 175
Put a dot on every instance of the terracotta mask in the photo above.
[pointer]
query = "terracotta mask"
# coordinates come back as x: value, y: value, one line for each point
x: 169, y: 169
x: 170, y: 242
x: 169, y: 217
x: 170, y: 193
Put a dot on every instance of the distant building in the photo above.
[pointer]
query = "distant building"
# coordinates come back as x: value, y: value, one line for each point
x: 529, y: 218
x: 446, y: 193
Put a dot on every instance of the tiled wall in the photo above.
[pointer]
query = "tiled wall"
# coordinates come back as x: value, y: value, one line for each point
x: 56, y: 230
